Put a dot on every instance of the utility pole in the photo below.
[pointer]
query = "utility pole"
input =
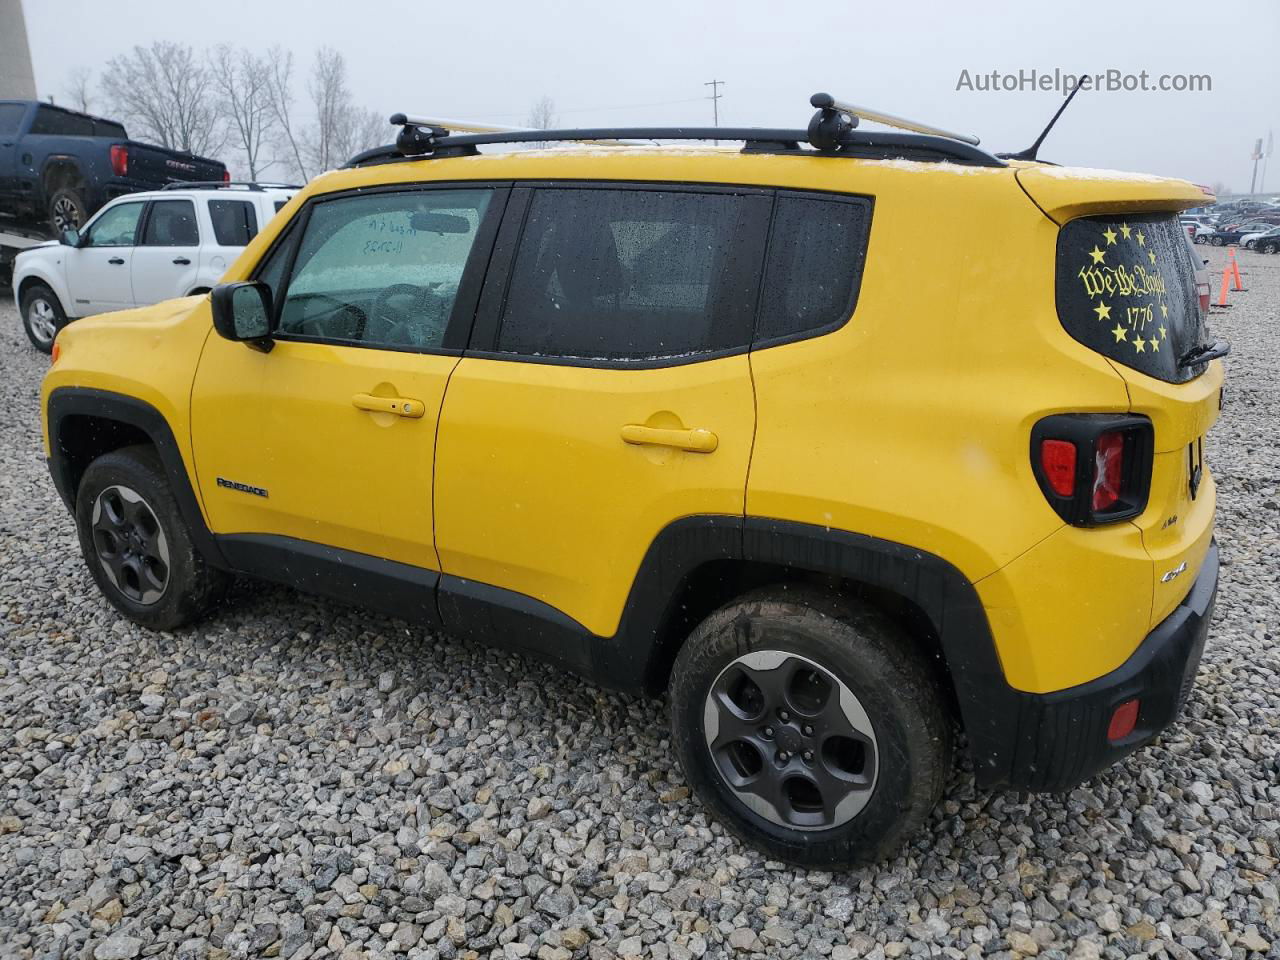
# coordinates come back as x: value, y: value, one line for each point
x: 1257, y: 155
x: 715, y: 100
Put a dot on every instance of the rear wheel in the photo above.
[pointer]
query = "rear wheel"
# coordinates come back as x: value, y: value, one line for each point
x: 1218, y: 242
x: 1201, y: 239
x: 67, y: 210
x: 42, y: 316
x: 811, y: 728
x: 136, y: 543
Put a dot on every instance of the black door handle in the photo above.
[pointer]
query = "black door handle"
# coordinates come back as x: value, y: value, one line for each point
x: 116, y: 260
x: 181, y: 260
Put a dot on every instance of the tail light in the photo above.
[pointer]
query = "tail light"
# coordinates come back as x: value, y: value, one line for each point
x: 226, y: 176
x: 119, y: 159
x: 1093, y: 468
x: 1203, y: 292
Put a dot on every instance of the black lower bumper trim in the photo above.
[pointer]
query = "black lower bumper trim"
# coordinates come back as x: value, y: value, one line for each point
x: 1058, y: 740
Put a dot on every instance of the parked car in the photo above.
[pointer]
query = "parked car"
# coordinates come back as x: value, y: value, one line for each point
x: 1227, y: 235
x: 1268, y: 242
x: 139, y: 250
x: 717, y: 424
x: 58, y: 166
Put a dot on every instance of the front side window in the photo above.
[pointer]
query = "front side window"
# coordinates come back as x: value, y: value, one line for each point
x: 116, y: 227
x: 382, y: 269
x: 618, y: 275
x: 235, y: 222
x: 11, y: 115
x: 816, y: 251
x: 171, y: 223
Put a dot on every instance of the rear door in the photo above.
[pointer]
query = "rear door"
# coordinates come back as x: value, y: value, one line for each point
x: 233, y: 222
x: 1126, y: 287
x: 166, y: 261
x: 607, y: 393
x: 98, y: 270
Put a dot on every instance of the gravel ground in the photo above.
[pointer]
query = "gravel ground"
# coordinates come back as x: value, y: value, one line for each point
x: 298, y: 779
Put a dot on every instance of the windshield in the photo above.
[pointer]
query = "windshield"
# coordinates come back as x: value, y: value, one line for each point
x: 1126, y: 288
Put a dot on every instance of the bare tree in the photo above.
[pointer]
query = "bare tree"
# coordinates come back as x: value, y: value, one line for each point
x: 280, y: 96
x: 164, y: 93
x: 341, y: 128
x: 242, y: 82
x: 79, y: 90
x: 542, y: 116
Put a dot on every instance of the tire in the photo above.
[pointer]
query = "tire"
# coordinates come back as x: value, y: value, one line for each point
x: 1200, y: 239
x: 1269, y: 248
x: 136, y: 543
x: 42, y: 316
x: 1249, y: 245
x: 864, y: 813
x: 67, y: 210
x: 1218, y: 242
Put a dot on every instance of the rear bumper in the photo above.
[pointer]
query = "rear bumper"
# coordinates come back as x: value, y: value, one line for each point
x: 1055, y: 741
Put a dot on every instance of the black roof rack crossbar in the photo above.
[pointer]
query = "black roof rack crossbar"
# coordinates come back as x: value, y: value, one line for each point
x: 255, y: 186
x: 869, y: 144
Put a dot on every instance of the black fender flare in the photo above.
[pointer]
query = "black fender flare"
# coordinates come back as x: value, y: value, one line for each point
x: 66, y: 468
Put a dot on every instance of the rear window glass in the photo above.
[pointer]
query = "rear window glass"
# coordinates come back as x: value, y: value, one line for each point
x: 815, y: 260
x: 11, y: 117
x: 1126, y: 288
x: 62, y: 124
x: 234, y: 222
x: 628, y: 275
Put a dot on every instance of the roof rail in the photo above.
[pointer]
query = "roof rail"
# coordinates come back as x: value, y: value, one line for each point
x: 254, y: 186
x: 831, y: 132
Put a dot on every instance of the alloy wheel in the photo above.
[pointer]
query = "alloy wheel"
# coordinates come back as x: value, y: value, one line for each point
x: 791, y: 740
x: 130, y: 544
x: 42, y: 320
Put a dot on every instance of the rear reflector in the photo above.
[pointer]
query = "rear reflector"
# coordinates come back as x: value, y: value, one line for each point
x: 1058, y: 458
x: 1108, y: 470
x: 1123, y: 720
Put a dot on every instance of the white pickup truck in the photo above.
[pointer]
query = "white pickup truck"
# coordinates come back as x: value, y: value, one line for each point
x: 140, y: 249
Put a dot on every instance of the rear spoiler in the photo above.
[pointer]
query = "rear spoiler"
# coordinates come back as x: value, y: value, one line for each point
x: 1065, y: 193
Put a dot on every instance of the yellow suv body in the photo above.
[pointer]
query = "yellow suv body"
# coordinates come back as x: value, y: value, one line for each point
x: 659, y: 414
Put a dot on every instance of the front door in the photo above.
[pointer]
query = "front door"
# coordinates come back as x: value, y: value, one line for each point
x: 329, y: 438
x: 612, y: 398
x: 98, y: 270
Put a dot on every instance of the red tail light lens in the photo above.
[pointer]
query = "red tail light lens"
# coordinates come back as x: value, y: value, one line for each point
x: 1058, y: 459
x: 1108, y: 470
x: 226, y: 176
x: 1093, y: 467
x: 119, y: 159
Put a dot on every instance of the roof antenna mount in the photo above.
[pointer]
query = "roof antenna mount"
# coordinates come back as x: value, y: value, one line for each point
x: 1031, y: 151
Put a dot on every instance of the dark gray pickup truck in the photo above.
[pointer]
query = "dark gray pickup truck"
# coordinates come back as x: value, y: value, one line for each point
x: 58, y: 166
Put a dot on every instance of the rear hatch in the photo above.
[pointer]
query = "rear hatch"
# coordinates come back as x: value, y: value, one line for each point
x: 158, y: 165
x: 1126, y: 287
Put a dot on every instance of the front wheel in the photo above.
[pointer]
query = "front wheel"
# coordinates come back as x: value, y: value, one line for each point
x: 811, y: 728
x: 42, y: 316
x: 1219, y: 242
x: 1200, y: 239
x: 136, y: 543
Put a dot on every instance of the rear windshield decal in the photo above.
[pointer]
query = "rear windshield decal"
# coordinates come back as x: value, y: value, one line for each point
x: 1126, y: 288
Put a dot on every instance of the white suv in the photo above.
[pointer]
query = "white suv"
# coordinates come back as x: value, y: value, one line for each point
x: 140, y: 249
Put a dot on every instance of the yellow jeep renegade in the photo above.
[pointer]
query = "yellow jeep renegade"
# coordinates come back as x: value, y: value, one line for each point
x: 717, y: 421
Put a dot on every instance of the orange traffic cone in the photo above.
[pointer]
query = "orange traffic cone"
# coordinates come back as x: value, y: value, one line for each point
x: 1222, y: 291
x: 1235, y: 269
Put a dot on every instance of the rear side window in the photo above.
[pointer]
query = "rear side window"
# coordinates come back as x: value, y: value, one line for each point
x: 618, y: 275
x: 109, y: 128
x: 59, y: 123
x: 816, y: 252
x: 1126, y: 288
x: 11, y: 117
x: 235, y: 222
x: 171, y: 223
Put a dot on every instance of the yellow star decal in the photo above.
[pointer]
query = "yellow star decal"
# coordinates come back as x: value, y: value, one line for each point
x: 1121, y: 333
x: 1139, y: 345
x: 1164, y: 312
x: 1124, y: 230
x: 1152, y: 255
x: 1163, y: 333
x: 1142, y: 241
x: 1096, y: 254
x: 1103, y: 311
x: 1155, y: 344
x: 1110, y: 235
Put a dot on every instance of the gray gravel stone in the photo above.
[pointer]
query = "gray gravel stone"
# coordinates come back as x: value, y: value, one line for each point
x: 297, y: 778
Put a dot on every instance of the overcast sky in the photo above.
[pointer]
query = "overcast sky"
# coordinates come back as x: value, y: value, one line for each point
x: 646, y: 63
